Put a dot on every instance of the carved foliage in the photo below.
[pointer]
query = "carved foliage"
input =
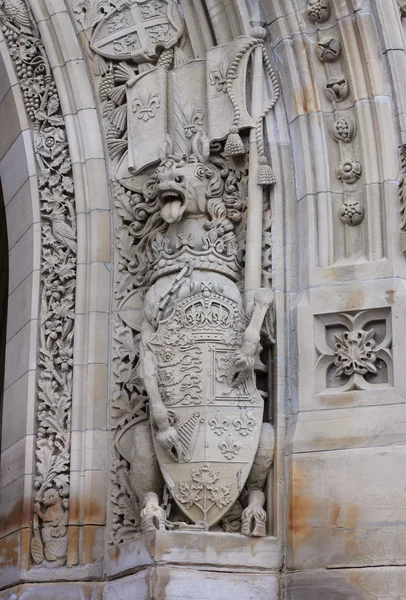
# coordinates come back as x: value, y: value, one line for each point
x: 90, y: 12
x: 203, y: 491
x: 129, y: 400
x: 58, y: 280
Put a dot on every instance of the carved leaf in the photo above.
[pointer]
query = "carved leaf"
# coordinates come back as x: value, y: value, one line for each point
x: 53, y: 106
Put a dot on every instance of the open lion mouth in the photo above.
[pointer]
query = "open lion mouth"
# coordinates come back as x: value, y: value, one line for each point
x: 173, y: 204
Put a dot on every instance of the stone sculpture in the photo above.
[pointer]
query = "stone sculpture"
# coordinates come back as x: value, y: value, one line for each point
x: 51, y: 542
x: 177, y: 133
x: 198, y: 351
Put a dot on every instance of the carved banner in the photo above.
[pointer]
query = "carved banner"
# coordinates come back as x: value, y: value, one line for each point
x: 191, y: 98
x: 147, y: 119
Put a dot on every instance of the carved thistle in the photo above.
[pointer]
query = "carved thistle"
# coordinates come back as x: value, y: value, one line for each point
x: 58, y: 280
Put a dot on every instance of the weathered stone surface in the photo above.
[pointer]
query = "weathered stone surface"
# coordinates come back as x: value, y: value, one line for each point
x: 163, y: 583
x: 382, y: 583
x: 347, y: 508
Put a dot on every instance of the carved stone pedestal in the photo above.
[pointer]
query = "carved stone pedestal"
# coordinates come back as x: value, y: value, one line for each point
x: 199, y: 550
x: 215, y: 566
x: 171, y: 583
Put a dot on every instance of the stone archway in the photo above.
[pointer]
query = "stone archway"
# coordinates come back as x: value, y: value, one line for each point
x: 21, y: 209
x: 57, y: 271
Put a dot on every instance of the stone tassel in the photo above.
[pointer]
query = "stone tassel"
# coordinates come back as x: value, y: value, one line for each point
x: 234, y: 144
x: 266, y: 175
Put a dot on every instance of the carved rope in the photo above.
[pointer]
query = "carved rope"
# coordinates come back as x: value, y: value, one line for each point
x: 58, y: 282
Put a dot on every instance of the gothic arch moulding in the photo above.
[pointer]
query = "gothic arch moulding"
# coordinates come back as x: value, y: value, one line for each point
x: 53, y: 159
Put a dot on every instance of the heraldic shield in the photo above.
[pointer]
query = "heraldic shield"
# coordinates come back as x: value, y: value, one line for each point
x: 218, y: 425
x: 139, y: 31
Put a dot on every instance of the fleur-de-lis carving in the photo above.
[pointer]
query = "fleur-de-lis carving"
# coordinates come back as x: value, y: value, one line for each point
x: 217, y: 424
x: 192, y: 119
x: 218, y: 77
x: 244, y: 424
x: 146, y: 105
x: 229, y: 447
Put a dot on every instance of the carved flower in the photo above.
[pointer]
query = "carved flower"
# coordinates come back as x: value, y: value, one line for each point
x: 64, y: 357
x: 167, y: 355
x: 188, y: 495
x: 50, y: 142
x: 352, y: 212
x: 349, y: 171
x: 204, y: 477
x: 221, y: 495
x: 53, y: 290
x: 354, y: 352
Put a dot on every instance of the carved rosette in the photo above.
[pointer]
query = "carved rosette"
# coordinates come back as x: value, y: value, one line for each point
x: 352, y: 212
x: 58, y: 281
x: 354, y: 351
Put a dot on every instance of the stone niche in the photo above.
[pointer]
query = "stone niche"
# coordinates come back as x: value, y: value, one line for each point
x: 202, y: 331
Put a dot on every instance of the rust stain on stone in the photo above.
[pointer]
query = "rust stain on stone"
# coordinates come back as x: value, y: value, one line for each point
x: 356, y: 298
x: 9, y: 551
x: 115, y: 553
x: 335, y: 513
x: 301, y: 506
x: 95, y: 512
x: 304, y: 100
x: 12, y: 520
x: 390, y: 296
x: 350, y: 524
x: 88, y: 544
x: 74, y: 510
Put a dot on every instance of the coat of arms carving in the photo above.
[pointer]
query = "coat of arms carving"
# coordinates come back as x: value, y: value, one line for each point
x: 180, y: 141
x: 139, y: 31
